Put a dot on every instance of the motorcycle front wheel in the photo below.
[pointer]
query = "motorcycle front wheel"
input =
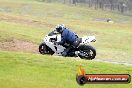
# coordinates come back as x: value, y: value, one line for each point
x: 44, y: 49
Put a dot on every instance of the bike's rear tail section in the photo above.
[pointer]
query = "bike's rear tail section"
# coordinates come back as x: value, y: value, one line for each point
x: 87, y: 39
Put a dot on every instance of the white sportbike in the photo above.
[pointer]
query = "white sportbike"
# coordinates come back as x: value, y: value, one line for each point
x: 84, y: 50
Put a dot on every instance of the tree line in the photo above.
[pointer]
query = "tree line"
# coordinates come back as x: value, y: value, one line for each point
x: 122, y: 6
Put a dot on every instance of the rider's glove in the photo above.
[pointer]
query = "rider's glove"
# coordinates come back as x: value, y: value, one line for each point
x: 56, y: 43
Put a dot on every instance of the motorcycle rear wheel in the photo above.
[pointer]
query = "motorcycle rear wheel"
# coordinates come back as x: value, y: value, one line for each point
x: 87, y: 52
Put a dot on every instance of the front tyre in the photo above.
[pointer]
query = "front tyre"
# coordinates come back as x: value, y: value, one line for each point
x: 87, y: 52
x: 44, y: 49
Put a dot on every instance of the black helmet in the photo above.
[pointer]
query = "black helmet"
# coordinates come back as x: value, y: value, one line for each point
x: 60, y: 28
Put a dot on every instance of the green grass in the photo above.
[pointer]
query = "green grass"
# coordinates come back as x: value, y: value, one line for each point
x: 21, y: 70
x: 11, y: 31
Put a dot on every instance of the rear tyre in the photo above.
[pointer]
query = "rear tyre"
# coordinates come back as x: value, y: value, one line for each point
x: 87, y: 52
x: 44, y: 49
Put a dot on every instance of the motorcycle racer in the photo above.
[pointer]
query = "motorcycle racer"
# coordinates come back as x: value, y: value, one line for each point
x: 68, y: 37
